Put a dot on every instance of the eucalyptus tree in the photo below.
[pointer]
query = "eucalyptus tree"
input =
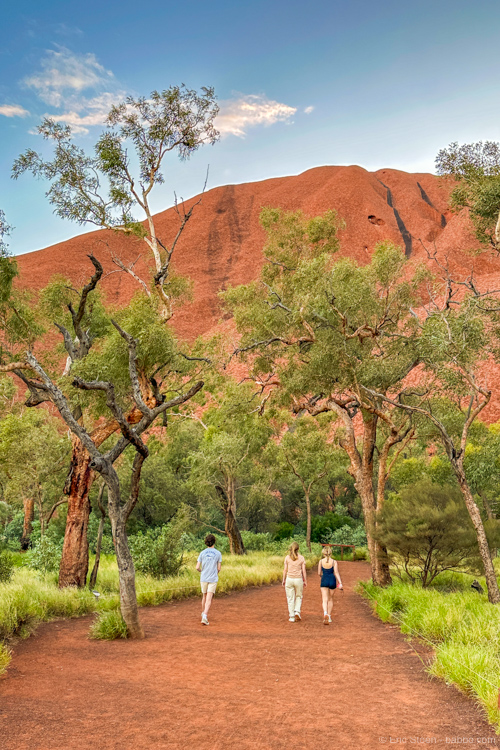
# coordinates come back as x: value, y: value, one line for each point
x: 33, y: 455
x: 104, y: 189
x: 305, y: 452
x: 475, y: 168
x: 227, y: 468
x: 136, y: 367
x: 323, y: 335
x: 454, y: 341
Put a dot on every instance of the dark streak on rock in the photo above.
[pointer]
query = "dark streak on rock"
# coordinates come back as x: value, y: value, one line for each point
x: 431, y: 204
x: 399, y: 221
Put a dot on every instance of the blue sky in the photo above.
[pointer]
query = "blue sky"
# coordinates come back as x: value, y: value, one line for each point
x: 300, y: 85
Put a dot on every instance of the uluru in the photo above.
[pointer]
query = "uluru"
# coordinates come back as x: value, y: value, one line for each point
x: 222, y: 243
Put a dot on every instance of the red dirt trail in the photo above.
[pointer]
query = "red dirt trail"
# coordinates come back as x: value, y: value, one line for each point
x: 251, y: 680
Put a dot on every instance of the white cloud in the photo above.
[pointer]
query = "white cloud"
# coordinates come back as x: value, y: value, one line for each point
x: 308, y: 110
x: 13, y: 110
x: 64, y: 73
x: 83, y: 113
x: 236, y: 116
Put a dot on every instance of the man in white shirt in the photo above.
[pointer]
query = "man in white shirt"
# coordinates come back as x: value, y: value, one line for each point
x: 209, y: 565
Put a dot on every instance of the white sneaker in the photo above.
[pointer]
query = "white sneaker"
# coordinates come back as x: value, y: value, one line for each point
x: 329, y: 618
x: 204, y: 619
x: 291, y: 619
x: 297, y: 617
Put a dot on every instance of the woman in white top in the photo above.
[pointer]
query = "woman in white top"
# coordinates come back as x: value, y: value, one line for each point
x: 294, y: 580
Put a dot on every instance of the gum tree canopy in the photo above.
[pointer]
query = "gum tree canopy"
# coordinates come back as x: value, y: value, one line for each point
x: 324, y: 334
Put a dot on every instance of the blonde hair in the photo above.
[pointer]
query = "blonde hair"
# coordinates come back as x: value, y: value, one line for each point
x: 327, y: 551
x: 294, y: 550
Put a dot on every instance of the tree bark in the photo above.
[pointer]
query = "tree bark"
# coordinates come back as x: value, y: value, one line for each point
x: 482, y: 541
x: 308, y: 521
x: 29, y: 515
x: 363, y: 480
x: 100, y: 531
x: 236, y: 545
x: 126, y: 569
x: 75, y: 555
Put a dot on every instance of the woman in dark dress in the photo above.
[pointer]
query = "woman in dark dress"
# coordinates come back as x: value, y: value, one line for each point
x: 330, y: 580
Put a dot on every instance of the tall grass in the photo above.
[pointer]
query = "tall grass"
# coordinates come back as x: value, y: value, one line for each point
x: 31, y: 597
x: 462, y: 626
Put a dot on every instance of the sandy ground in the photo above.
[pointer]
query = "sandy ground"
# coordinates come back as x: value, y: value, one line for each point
x: 249, y: 680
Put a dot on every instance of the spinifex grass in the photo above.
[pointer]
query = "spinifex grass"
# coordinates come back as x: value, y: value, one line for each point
x: 31, y: 597
x: 463, y: 627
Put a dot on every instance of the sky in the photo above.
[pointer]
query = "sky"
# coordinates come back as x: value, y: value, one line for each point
x: 299, y: 85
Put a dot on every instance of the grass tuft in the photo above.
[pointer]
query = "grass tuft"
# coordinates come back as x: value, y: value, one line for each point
x: 108, y: 626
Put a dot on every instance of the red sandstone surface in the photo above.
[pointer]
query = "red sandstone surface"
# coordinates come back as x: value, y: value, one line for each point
x: 222, y: 244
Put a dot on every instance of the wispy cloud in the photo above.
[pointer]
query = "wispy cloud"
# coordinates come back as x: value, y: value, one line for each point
x: 86, y: 113
x: 64, y: 73
x: 238, y: 115
x: 13, y: 110
x: 308, y: 110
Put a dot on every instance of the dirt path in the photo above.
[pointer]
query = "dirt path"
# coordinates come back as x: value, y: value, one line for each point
x: 251, y: 680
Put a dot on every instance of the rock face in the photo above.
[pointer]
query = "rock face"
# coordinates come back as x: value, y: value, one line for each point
x: 222, y: 244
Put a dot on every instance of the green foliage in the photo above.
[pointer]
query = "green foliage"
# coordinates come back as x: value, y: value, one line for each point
x: 6, y: 567
x: 428, y: 530
x: 348, y: 534
x: 158, y: 552
x: 13, y: 531
x: 323, y: 526
x: 108, y: 626
x: 44, y: 555
x: 33, y: 457
x: 284, y: 530
x: 476, y: 169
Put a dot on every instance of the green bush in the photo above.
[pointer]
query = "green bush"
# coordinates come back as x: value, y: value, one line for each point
x: 108, y: 626
x: 427, y: 530
x: 255, y: 542
x: 6, y: 567
x: 348, y: 535
x: 13, y: 531
x: 284, y: 531
x: 322, y: 526
x: 45, y: 555
x: 158, y: 551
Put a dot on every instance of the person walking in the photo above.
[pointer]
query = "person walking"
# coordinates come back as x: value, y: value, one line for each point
x: 209, y: 565
x: 330, y: 579
x: 294, y: 580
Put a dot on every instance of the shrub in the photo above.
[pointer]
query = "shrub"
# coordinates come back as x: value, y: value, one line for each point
x: 322, y: 526
x: 6, y: 567
x: 255, y: 542
x: 348, y: 535
x: 13, y: 531
x: 108, y: 626
x: 427, y: 529
x: 45, y: 555
x: 159, y: 551
x: 284, y: 531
